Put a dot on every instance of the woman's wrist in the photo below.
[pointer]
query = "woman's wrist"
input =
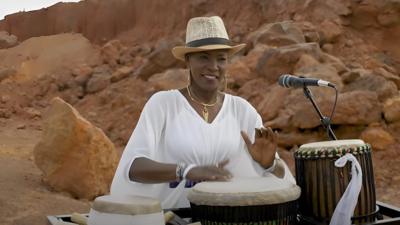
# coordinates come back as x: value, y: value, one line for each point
x: 271, y: 167
x: 182, y: 169
x: 187, y: 170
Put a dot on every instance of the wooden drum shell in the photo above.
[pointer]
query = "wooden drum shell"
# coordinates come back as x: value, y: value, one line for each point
x: 323, y: 184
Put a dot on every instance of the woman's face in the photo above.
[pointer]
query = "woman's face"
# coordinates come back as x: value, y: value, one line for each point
x: 208, y: 68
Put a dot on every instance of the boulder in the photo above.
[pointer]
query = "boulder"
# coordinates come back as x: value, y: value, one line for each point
x: 74, y: 156
x: 310, y: 32
x: 294, y: 137
x: 272, y: 102
x: 353, y: 108
x: 121, y: 73
x: 7, y: 40
x: 111, y: 51
x: 82, y: 74
x: 330, y: 31
x: 239, y: 73
x: 377, y: 137
x: 394, y: 129
x: 277, y: 61
x: 277, y: 34
x: 391, y: 109
x: 357, y: 108
x: 371, y: 82
x: 170, y: 79
x: 159, y: 60
x: 6, y: 73
x: 251, y: 90
x: 388, y: 75
x: 321, y: 71
x: 100, y: 79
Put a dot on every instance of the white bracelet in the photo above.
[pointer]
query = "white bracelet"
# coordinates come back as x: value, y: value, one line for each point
x: 180, y: 168
x: 187, y: 169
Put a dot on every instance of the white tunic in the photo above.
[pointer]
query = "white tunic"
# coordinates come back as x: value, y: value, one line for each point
x: 169, y: 130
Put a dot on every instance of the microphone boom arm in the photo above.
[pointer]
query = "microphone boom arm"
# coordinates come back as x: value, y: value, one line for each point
x: 325, y: 121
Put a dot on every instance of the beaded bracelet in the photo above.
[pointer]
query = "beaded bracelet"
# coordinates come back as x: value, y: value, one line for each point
x: 180, y: 169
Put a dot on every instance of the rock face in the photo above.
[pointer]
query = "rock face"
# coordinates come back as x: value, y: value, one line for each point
x: 75, y: 156
x: 39, y: 56
x: 7, y: 40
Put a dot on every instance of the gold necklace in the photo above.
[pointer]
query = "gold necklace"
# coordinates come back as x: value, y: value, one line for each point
x: 205, y: 105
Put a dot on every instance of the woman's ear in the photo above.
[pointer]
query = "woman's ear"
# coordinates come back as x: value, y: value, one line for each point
x: 187, y: 61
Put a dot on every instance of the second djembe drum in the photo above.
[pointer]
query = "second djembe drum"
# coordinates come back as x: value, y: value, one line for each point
x: 322, y: 184
x: 261, y: 200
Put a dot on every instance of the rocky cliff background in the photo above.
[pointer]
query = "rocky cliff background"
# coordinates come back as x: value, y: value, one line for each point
x: 104, y: 59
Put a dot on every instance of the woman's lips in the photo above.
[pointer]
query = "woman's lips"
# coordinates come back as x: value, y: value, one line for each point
x: 211, y: 77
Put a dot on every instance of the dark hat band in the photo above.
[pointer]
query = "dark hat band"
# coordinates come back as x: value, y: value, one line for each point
x: 208, y: 41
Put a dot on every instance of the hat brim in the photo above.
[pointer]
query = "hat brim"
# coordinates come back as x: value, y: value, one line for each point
x: 179, y: 52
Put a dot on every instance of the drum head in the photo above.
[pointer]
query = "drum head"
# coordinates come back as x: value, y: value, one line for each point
x: 332, y: 149
x: 335, y: 143
x: 244, y: 192
x: 128, y: 205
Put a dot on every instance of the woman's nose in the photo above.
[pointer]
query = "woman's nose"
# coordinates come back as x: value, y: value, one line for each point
x: 213, y: 65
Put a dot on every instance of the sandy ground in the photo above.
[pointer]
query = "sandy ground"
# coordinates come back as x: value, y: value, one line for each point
x: 26, y: 200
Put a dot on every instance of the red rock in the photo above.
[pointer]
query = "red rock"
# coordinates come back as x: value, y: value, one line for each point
x: 277, y: 34
x: 7, y: 40
x: 368, y: 81
x: 111, y: 52
x: 391, y: 109
x: 74, y: 156
x: 170, y: 79
x: 121, y: 73
x: 330, y: 31
x: 378, y: 137
x: 277, y: 61
x: 273, y: 100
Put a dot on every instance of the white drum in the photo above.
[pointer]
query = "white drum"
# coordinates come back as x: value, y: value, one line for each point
x: 125, y: 210
x: 256, y: 200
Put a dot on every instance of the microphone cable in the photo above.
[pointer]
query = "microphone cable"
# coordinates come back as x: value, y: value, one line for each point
x: 334, y: 105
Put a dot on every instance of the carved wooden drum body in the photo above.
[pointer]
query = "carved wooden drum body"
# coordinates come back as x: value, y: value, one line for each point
x: 323, y: 184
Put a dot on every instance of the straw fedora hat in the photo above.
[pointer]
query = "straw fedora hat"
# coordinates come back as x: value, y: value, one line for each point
x: 205, y: 34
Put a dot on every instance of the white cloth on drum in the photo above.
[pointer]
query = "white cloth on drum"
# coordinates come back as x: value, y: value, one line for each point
x: 345, y: 208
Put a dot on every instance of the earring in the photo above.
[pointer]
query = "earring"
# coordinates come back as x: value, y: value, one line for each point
x: 189, y: 78
x: 224, y: 85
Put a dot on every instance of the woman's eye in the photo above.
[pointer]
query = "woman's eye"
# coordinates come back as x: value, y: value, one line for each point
x: 203, y: 57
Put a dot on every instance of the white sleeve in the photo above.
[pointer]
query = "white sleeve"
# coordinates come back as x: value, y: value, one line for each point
x: 144, y: 141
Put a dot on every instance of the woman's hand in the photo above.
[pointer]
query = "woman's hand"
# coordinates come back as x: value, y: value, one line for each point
x: 209, y: 173
x: 264, y: 148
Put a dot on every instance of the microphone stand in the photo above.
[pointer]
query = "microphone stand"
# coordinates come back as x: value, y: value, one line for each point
x: 325, y: 121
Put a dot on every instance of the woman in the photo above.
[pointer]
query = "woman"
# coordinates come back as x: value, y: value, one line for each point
x: 197, y: 133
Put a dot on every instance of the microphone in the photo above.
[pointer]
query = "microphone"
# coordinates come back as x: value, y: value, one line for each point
x: 289, y: 81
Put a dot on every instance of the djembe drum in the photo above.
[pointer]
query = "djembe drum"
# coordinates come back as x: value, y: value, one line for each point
x: 261, y: 200
x: 125, y: 210
x: 322, y: 184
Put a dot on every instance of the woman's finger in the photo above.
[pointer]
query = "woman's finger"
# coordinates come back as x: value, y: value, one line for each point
x: 223, y: 163
x: 270, y: 133
x: 259, y: 133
